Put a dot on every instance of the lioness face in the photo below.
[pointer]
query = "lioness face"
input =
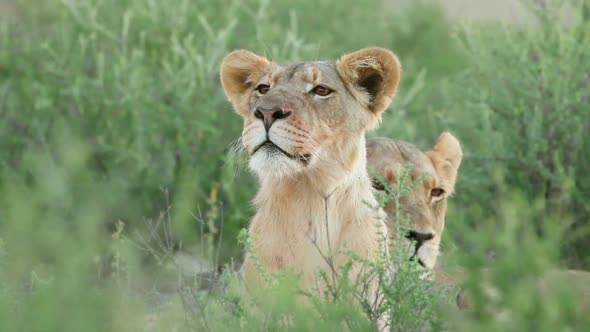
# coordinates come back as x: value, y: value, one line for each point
x: 298, y: 116
x: 426, y: 205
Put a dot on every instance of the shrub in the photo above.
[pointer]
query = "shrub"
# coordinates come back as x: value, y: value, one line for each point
x: 112, y: 122
x: 523, y: 107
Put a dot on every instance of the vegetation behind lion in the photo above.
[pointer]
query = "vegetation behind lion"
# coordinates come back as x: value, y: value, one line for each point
x: 111, y: 111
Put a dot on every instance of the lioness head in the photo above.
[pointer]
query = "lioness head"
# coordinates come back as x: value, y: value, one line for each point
x: 298, y: 117
x: 426, y: 204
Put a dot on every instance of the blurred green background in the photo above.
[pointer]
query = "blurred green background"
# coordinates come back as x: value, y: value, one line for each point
x: 113, y: 123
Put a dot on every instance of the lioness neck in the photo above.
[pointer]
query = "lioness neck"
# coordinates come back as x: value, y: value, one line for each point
x: 300, y: 216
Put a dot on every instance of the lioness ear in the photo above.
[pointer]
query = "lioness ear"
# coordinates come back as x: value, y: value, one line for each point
x: 239, y: 71
x: 446, y: 157
x: 372, y: 75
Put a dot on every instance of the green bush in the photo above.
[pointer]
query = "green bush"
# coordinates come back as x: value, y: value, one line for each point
x: 137, y: 81
x: 117, y: 152
x: 519, y: 105
x: 523, y: 105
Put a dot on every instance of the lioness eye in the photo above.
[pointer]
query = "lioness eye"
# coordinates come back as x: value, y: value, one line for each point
x: 437, y: 192
x: 263, y: 88
x: 321, y: 91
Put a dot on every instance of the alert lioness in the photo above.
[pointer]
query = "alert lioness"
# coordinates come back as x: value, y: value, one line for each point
x: 426, y: 204
x: 304, y: 130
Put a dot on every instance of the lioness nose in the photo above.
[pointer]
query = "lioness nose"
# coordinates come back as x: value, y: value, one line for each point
x: 420, y: 238
x: 269, y: 115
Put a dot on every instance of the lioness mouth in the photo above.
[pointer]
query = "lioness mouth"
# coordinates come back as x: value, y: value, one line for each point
x: 419, y: 261
x: 304, y: 158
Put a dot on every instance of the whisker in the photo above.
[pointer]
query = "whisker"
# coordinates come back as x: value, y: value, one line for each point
x: 268, y: 52
x: 286, y: 173
x: 317, y: 53
x: 235, y: 153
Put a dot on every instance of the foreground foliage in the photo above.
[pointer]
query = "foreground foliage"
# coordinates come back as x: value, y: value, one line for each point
x: 116, y: 156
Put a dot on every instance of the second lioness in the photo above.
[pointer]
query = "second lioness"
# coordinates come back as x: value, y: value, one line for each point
x: 426, y: 204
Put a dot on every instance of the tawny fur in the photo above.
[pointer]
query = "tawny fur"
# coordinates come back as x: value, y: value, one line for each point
x: 378, y: 70
x: 317, y: 202
x: 438, y: 169
x: 386, y: 156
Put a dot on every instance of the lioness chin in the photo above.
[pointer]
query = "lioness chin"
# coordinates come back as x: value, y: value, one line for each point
x: 304, y: 129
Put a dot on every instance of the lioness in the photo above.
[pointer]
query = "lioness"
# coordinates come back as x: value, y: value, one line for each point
x: 304, y: 130
x: 426, y: 204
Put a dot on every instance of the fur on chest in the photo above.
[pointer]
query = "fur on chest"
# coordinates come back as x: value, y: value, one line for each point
x: 303, y: 232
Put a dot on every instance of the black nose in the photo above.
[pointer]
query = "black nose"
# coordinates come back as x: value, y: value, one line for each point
x: 269, y: 115
x: 419, y: 237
